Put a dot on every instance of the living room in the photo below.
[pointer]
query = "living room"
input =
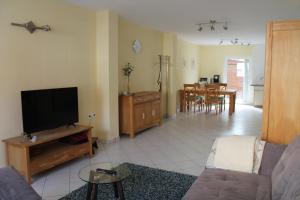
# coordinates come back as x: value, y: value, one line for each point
x: 87, y: 45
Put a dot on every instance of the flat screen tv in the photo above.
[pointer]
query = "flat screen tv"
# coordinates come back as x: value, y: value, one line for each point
x: 49, y: 108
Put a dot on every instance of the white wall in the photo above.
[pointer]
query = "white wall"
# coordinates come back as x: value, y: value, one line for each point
x: 258, y: 64
x: 257, y: 67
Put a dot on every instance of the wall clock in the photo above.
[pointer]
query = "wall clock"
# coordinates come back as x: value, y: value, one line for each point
x: 136, y: 46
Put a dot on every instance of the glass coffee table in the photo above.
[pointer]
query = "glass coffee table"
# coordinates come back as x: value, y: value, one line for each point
x: 104, y: 173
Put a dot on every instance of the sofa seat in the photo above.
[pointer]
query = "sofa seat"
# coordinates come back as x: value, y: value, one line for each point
x: 218, y: 184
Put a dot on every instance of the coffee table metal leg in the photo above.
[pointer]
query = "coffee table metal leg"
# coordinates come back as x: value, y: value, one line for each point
x: 92, y: 191
x: 89, y: 191
x: 116, y: 190
x: 95, y: 192
x: 120, y: 190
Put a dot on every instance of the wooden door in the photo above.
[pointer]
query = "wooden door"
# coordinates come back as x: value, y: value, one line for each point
x: 156, y: 117
x: 282, y: 92
x: 148, y: 114
x: 139, y: 116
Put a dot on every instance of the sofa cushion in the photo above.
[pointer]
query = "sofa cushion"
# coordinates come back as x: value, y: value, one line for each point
x: 271, y: 156
x: 218, y: 184
x: 14, y: 187
x: 286, y: 174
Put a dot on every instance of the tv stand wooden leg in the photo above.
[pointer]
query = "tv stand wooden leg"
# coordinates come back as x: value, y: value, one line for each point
x: 18, y: 157
x: 90, y: 140
x: 28, y: 179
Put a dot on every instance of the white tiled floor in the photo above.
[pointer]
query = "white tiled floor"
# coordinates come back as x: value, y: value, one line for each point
x: 180, y: 145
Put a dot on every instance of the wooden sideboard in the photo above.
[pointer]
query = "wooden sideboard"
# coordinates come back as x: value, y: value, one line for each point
x: 139, y: 111
x: 48, y: 151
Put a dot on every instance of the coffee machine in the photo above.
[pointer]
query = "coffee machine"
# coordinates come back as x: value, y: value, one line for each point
x: 216, y: 79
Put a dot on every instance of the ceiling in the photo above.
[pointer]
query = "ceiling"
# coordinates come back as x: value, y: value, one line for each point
x: 247, y: 18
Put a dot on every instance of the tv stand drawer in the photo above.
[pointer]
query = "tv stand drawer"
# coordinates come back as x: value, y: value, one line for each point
x: 57, y: 155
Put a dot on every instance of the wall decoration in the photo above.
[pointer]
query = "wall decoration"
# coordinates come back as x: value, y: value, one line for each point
x: 31, y: 27
x: 184, y: 63
x: 136, y: 46
x: 193, y: 64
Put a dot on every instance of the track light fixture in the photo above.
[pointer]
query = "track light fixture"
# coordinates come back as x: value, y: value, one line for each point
x: 212, y: 25
x: 234, y: 41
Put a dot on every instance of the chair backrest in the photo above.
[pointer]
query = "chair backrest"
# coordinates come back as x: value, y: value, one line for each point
x: 211, y: 93
x: 189, y: 90
x: 218, y: 86
x: 223, y: 86
x: 213, y: 86
x: 189, y: 87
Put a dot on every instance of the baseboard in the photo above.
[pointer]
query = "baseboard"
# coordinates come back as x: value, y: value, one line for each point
x: 110, y: 141
x: 173, y: 116
x: 2, y: 166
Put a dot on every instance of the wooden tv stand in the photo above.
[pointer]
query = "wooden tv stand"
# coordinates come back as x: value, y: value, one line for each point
x: 30, y: 158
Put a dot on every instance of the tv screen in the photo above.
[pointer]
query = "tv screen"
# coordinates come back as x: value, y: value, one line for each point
x: 49, y: 108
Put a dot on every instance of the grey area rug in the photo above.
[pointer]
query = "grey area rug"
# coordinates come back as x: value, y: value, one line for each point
x: 144, y: 183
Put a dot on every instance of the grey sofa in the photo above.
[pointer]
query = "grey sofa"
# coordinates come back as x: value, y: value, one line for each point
x: 14, y: 187
x: 278, y: 178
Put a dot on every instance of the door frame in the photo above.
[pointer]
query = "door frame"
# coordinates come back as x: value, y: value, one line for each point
x: 246, y: 82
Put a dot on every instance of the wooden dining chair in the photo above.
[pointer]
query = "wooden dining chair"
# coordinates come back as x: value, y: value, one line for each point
x: 200, y: 98
x: 189, y: 96
x: 212, y: 99
x: 223, y: 86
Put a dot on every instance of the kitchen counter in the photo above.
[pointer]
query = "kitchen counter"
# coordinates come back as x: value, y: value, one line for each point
x: 257, y: 85
x: 258, y: 94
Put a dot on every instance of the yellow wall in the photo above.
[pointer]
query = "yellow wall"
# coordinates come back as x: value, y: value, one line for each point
x: 146, y: 62
x: 187, y: 63
x: 60, y: 58
x: 212, y: 58
x: 187, y: 66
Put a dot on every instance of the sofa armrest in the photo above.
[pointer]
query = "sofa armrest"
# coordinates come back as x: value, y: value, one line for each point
x: 14, y: 186
x: 271, y: 156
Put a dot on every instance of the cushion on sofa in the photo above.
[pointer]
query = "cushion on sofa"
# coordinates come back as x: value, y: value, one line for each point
x: 14, y: 187
x: 271, y: 156
x: 218, y: 184
x: 286, y: 174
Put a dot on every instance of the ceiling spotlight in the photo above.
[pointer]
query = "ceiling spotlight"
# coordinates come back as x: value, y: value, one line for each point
x: 225, y: 26
x: 200, y: 29
x: 236, y: 40
x: 212, y: 25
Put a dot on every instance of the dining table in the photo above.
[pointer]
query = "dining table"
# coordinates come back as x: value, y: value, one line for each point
x: 226, y: 92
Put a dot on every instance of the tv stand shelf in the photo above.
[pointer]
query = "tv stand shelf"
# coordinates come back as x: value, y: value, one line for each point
x: 30, y: 158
